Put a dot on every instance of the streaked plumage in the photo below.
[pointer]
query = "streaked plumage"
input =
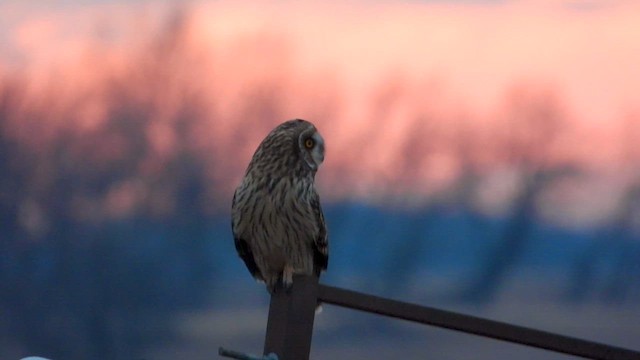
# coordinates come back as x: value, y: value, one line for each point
x: 277, y: 221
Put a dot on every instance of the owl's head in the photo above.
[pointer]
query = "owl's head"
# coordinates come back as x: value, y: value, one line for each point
x: 305, y: 140
x: 294, y: 147
x: 310, y: 144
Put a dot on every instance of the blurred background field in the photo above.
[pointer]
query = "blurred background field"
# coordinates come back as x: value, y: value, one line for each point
x: 482, y: 156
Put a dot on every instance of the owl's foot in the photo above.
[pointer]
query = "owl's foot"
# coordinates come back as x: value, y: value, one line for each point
x: 287, y: 277
x: 273, y: 284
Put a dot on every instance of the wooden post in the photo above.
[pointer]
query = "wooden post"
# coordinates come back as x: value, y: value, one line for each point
x: 291, y: 315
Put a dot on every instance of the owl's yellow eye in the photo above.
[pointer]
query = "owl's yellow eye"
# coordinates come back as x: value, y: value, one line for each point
x: 309, y: 143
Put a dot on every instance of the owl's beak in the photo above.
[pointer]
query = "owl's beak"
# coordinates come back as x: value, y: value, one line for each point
x: 318, y: 156
x: 318, y: 151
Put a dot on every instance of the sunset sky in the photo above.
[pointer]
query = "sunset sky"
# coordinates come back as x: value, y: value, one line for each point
x: 366, y: 72
x: 589, y: 50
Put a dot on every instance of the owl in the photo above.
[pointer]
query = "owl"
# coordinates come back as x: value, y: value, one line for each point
x: 277, y: 222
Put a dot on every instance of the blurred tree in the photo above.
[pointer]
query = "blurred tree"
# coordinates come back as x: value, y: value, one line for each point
x: 105, y: 228
x: 616, y: 246
x: 534, y: 124
x: 423, y: 141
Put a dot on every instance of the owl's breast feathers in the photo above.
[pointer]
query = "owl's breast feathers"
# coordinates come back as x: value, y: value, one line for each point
x: 279, y: 212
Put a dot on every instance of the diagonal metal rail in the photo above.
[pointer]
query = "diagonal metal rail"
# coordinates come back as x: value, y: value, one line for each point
x: 473, y: 325
x: 292, y: 312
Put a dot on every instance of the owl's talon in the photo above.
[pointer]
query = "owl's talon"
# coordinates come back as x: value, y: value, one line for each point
x: 287, y: 277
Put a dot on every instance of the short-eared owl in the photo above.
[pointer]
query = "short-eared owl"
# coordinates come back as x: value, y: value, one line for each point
x: 276, y: 218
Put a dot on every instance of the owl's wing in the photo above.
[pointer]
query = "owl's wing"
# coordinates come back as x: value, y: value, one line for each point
x: 242, y: 246
x: 245, y: 253
x: 321, y: 243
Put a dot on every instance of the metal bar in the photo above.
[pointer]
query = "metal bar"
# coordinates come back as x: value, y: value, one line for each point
x: 242, y: 356
x: 473, y: 325
x: 291, y: 315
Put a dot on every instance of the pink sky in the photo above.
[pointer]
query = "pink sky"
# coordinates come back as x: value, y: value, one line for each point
x: 450, y: 60
x: 589, y: 50
x: 592, y: 55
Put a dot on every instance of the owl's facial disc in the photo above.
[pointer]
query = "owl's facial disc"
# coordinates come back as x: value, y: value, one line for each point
x: 313, y: 145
